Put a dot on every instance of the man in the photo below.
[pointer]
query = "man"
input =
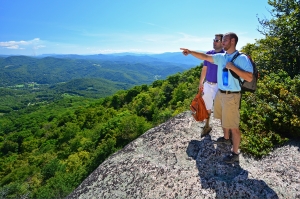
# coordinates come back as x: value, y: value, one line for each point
x: 210, y: 87
x: 227, y: 101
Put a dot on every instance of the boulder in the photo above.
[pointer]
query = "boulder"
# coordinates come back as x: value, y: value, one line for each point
x: 173, y: 161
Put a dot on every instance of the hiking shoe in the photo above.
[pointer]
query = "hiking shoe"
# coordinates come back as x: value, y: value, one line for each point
x: 231, y: 158
x: 205, y: 131
x: 224, y: 141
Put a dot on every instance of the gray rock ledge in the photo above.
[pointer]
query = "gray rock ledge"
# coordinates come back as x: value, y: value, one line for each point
x: 172, y: 161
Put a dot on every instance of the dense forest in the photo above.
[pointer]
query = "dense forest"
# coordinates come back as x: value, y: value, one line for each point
x: 49, y: 146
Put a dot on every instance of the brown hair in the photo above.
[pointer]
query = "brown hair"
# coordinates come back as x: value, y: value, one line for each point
x: 232, y: 35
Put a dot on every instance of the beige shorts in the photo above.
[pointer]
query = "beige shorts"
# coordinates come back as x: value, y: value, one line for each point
x: 226, y: 108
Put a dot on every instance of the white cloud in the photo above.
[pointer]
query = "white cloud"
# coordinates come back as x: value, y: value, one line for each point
x: 17, y: 45
x: 12, y: 46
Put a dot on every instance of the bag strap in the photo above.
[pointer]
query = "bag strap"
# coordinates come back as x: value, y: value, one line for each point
x: 233, y: 73
x: 235, y: 56
x: 236, y: 76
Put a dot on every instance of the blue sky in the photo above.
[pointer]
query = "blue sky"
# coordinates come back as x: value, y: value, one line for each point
x: 33, y: 27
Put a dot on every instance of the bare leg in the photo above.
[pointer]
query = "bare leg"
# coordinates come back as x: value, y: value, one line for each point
x: 207, y: 121
x: 206, y: 128
x: 236, y: 139
x: 226, y: 133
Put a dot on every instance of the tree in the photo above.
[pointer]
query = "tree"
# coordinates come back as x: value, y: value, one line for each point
x: 179, y: 93
x: 142, y: 105
x: 282, y: 41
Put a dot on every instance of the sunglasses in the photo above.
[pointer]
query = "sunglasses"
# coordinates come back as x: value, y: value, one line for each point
x: 217, y: 40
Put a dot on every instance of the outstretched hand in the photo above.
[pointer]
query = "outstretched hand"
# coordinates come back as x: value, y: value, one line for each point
x: 185, y: 51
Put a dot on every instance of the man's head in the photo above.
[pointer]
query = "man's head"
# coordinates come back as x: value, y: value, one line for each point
x: 218, y: 42
x: 229, y: 41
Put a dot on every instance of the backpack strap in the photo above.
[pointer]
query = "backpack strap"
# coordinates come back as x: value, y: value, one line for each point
x: 235, y: 56
x: 236, y: 76
x: 233, y: 73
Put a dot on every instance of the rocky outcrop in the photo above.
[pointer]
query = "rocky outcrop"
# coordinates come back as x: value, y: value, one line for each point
x: 172, y: 161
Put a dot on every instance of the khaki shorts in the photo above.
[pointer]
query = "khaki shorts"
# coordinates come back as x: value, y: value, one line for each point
x: 226, y: 108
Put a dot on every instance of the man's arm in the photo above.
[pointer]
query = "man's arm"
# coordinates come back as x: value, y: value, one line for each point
x: 247, y: 76
x: 198, y: 55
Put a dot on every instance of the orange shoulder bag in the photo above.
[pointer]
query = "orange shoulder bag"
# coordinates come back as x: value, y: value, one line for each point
x: 198, y: 108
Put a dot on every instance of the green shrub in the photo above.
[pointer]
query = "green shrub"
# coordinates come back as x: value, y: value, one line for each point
x: 270, y: 116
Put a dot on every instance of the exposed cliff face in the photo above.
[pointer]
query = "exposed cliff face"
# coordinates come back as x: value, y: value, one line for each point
x: 172, y: 161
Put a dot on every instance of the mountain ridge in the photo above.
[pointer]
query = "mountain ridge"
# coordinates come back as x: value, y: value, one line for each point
x: 171, y: 57
x: 141, y: 69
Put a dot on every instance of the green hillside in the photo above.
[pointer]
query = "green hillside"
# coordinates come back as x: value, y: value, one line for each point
x: 30, y: 80
x: 50, y: 70
x: 90, y: 87
x: 20, y: 96
x: 47, y: 149
x: 49, y: 145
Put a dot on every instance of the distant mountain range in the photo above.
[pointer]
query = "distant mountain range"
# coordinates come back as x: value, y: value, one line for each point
x: 171, y: 57
x: 123, y: 68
